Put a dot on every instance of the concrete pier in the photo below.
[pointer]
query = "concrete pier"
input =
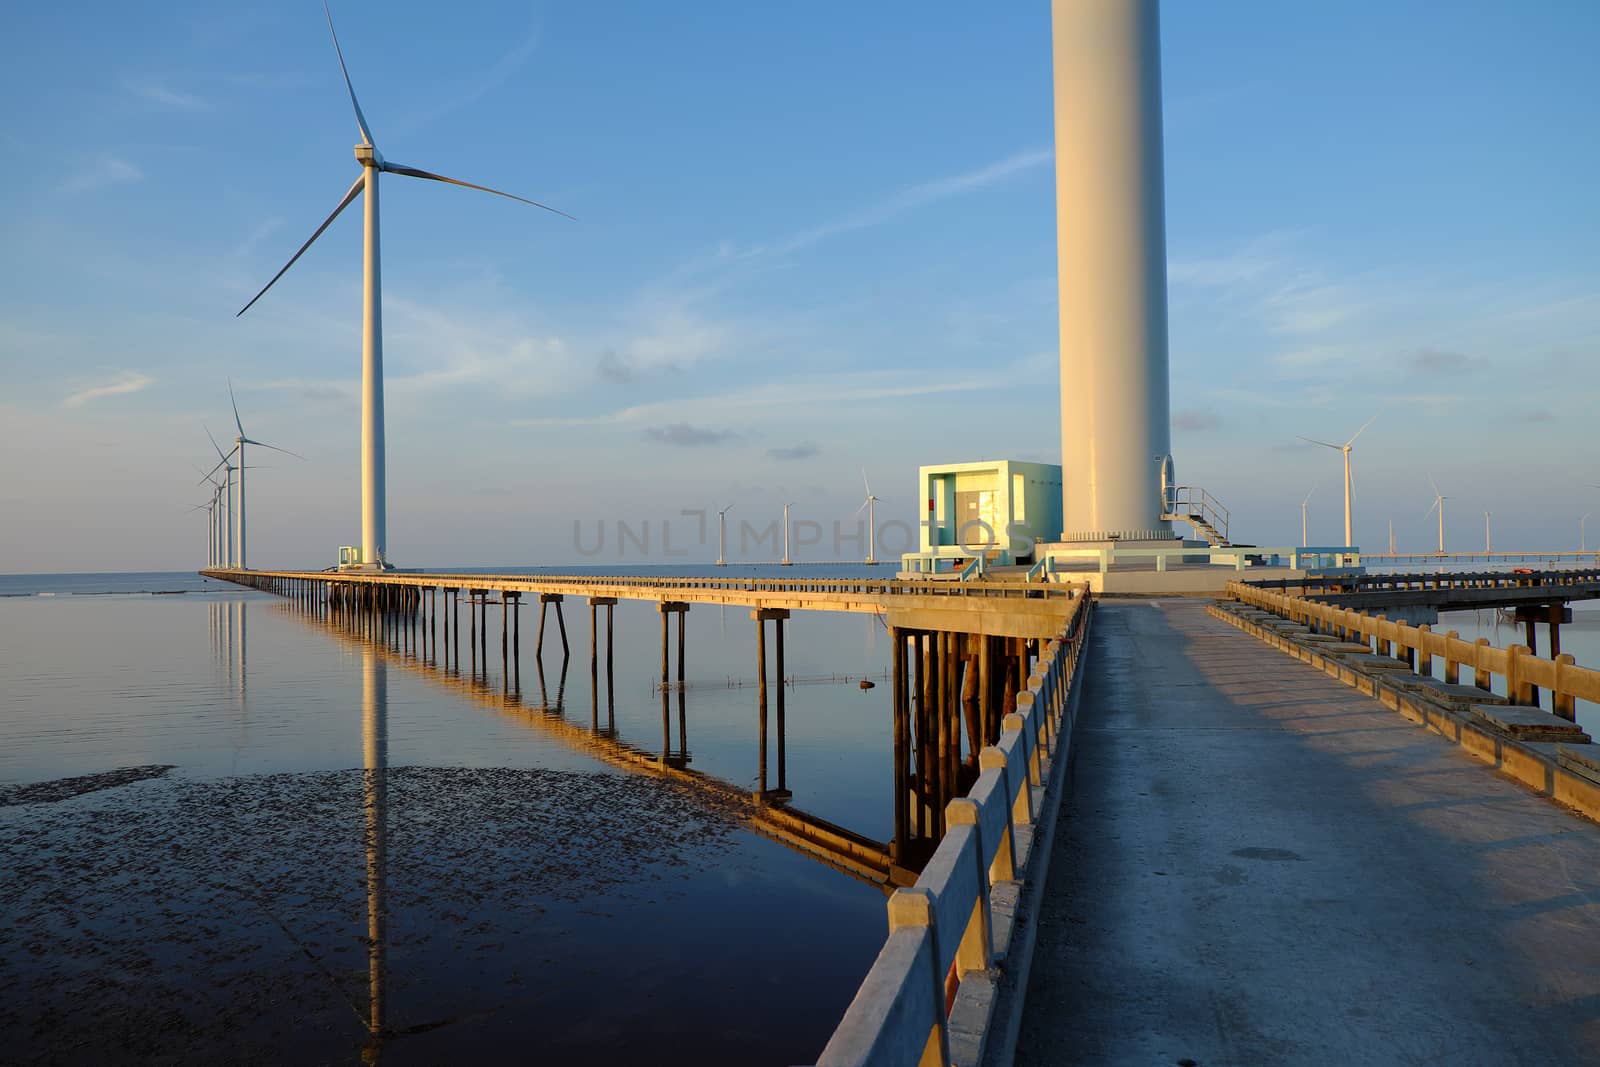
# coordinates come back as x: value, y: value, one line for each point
x: 1258, y: 864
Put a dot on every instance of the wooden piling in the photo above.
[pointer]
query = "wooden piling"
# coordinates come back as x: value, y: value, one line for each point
x: 761, y: 702
x: 902, y: 782
x: 783, y: 729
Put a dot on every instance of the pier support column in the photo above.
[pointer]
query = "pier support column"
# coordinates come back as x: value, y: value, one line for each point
x: 902, y: 756
x: 668, y: 608
x: 919, y: 741
x: 778, y: 626
x: 761, y: 617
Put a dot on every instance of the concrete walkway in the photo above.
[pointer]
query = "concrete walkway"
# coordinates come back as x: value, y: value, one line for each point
x: 1260, y: 866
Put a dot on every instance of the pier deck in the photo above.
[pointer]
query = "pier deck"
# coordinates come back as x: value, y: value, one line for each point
x: 1260, y: 865
x: 996, y: 609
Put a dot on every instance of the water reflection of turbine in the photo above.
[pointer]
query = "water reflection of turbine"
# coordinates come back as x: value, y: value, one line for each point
x: 375, y: 751
x: 830, y: 844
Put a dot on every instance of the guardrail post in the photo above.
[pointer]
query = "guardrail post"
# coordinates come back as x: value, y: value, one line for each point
x: 914, y: 908
x: 1562, y: 702
x: 1452, y: 666
x: 1517, y: 686
x: 976, y: 951
x: 1480, y: 672
x: 1004, y: 868
x: 1385, y: 646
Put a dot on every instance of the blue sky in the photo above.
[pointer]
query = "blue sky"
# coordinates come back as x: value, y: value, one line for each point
x: 811, y: 238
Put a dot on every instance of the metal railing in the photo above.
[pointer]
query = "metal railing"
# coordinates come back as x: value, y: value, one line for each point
x: 641, y: 587
x: 1188, y: 501
x: 1524, y: 672
x: 965, y: 920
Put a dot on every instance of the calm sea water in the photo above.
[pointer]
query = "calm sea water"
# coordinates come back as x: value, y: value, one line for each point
x: 329, y: 849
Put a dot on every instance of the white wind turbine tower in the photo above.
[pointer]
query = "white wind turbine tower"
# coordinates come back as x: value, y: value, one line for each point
x: 1303, y: 539
x: 1488, y: 539
x: 206, y: 507
x: 238, y: 446
x: 786, y: 561
x: 872, y: 527
x: 1438, y: 505
x: 722, y: 535
x: 224, y: 463
x: 374, y: 509
x: 213, y: 516
x: 1349, y: 538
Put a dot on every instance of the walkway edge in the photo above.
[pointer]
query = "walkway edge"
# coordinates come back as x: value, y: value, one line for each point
x: 1537, y: 765
x: 949, y: 984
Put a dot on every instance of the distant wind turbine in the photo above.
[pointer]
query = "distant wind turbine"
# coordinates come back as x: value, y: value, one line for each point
x: 224, y: 463
x: 1438, y: 505
x: 722, y: 535
x: 213, y: 516
x: 1583, y: 534
x: 1349, y: 537
x: 1488, y: 539
x: 1303, y: 538
x: 238, y: 445
x: 373, y: 475
x: 872, y: 529
x: 786, y: 560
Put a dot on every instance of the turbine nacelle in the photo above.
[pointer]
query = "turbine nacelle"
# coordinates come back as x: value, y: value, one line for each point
x: 368, y: 156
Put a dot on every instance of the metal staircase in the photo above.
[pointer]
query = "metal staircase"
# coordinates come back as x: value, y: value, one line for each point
x: 1200, y: 510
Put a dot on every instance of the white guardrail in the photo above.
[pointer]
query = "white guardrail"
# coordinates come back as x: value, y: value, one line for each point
x: 946, y: 989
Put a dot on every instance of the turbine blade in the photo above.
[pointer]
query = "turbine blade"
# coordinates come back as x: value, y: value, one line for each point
x: 1431, y: 510
x: 275, y: 448
x: 1324, y: 444
x: 355, y: 190
x: 361, y: 120
x: 216, y: 446
x: 1361, y: 431
x: 865, y: 482
x: 235, y: 404
x: 862, y: 508
x: 413, y: 172
x: 1433, y: 485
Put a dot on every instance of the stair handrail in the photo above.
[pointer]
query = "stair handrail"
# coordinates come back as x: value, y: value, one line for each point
x: 1187, y: 501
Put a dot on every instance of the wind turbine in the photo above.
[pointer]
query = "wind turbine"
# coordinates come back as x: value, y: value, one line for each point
x: 238, y: 445
x: 213, y: 516
x: 1488, y: 540
x: 1583, y: 534
x: 1349, y: 538
x: 722, y: 535
x: 872, y: 528
x: 1303, y: 539
x: 374, y: 509
x: 786, y: 561
x: 1438, y: 505
x: 206, y: 507
x: 225, y: 463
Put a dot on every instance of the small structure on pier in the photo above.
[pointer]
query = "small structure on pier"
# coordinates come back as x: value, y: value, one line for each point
x: 997, y: 509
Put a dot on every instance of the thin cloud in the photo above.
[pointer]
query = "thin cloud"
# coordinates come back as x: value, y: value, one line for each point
x: 108, y: 170
x: 614, y: 369
x: 793, y: 452
x: 127, y: 382
x: 1195, y: 421
x: 165, y: 97
x: 921, y: 195
x: 1435, y: 361
x: 829, y: 394
x: 687, y: 436
x: 470, y: 91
